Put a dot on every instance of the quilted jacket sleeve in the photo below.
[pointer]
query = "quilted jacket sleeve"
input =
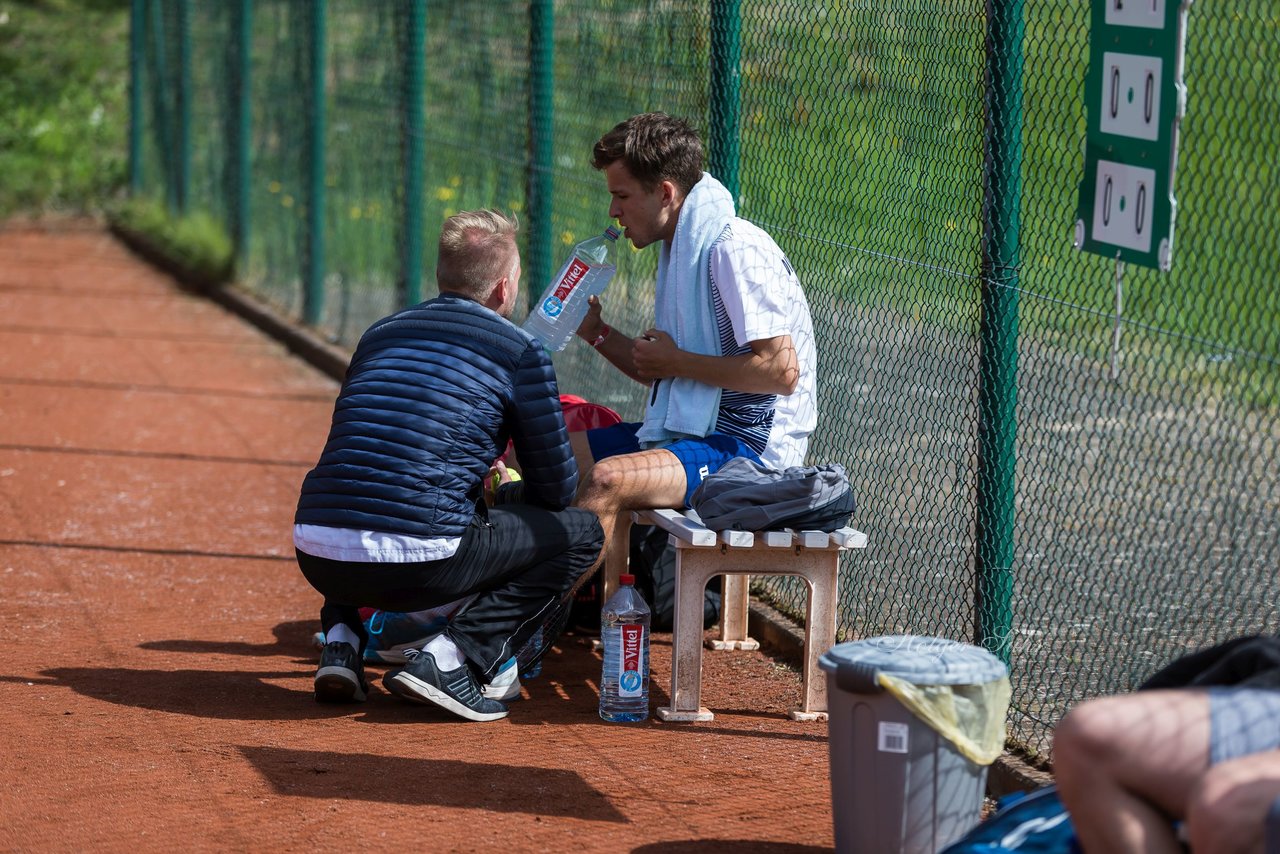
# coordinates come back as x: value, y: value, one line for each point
x: 537, y: 428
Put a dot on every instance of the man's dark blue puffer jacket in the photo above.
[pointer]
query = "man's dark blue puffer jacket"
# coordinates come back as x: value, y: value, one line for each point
x: 431, y: 397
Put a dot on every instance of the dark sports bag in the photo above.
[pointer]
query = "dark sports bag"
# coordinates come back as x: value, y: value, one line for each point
x: 1035, y: 823
x: 745, y: 496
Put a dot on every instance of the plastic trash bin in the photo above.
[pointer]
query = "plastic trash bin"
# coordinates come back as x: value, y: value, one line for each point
x: 913, y: 724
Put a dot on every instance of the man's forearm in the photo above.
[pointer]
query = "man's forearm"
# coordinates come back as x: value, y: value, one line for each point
x: 771, y: 367
x: 750, y: 373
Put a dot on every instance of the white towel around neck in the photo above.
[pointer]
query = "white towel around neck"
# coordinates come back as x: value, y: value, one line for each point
x: 684, y: 407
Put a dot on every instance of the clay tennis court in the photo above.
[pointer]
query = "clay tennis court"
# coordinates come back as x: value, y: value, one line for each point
x: 156, y: 691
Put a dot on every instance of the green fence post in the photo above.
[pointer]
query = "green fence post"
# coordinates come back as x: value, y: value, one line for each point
x: 542, y: 55
x: 184, y: 105
x: 137, y: 44
x: 241, y: 128
x: 726, y: 53
x: 414, y: 150
x: 162, y: 117
x: 998, y: 359
x: 313, y: 229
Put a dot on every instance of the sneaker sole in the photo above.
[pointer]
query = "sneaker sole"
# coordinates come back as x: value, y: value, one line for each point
x: 414, y: 689
x: 337, y: 685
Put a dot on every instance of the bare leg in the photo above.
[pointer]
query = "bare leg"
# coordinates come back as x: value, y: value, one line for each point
x: 643, y: 480
x: 1126, y: 767
x: 1228, y: 811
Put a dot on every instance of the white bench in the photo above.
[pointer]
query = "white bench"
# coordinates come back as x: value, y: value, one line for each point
x: 702, y: 554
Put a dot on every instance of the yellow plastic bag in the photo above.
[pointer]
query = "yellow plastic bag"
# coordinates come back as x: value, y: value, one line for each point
x: 971, y: 717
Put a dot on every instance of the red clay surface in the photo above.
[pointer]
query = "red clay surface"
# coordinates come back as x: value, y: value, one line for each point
x: 156, y: 690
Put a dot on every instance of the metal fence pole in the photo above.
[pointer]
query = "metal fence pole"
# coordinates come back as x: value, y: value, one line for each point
x: 313, y: 230
x: 541, y: 141
x: 241, y: 127
x: 184, y: 105
x: 137, y: 45
x: 161, y: 115
x: 998, y: 358
x: 414, y: 150
x: 726, y: 53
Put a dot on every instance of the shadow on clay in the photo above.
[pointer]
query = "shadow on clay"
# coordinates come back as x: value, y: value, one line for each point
x: 484, y: 785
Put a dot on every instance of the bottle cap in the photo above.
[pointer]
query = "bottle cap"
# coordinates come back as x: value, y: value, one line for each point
x: 612, y: 232
x: 627, y: 579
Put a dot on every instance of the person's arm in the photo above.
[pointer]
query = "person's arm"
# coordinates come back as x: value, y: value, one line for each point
x: 770, y: 368
x: 547, y: 466
x: 609, y: 342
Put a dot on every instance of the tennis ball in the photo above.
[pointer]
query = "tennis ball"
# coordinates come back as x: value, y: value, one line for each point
x: 497, y: 478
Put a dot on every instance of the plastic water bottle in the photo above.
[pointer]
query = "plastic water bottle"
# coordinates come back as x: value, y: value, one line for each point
x: 563, y: 304
x: 624, y: 632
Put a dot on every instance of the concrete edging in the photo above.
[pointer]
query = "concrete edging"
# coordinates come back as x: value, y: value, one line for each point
x: 307, y: 344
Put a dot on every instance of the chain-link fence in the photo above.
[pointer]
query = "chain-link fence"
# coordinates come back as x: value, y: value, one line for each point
x: 1070, y: 461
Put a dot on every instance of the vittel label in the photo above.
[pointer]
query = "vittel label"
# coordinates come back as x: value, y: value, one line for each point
x: 630, y: 679
x: 572, y: 276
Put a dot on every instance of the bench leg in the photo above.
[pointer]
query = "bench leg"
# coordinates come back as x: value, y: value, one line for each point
x: 734, y: 606
x: 819, y: 633
x: 694, y: 568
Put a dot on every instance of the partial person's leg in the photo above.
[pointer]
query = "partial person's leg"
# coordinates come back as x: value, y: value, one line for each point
x: 531, y: 560
x: 522, y: 561
x: 1126, y: 767
x: 638, y: 481
x: 333, y: 580
x: 340, y: 675
x: 1228, y: 810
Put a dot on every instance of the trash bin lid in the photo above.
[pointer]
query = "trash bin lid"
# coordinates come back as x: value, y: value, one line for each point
x: 915, y: 659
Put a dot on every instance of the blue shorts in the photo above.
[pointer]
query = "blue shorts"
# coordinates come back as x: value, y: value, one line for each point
x: 700, y: 457
x: 1242, y: 721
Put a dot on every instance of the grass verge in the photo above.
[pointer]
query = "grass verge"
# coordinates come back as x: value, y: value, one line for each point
x: 63, y: 94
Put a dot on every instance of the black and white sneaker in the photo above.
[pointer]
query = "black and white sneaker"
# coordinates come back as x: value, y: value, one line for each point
x: 421, y: 681
x: 340, y: 678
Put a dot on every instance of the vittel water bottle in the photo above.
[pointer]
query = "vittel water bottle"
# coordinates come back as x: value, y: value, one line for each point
x: 624, y: 631
x: 563, y: 304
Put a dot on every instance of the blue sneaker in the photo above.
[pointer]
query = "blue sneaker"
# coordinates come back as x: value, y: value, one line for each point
x: 391, y: 633
x: 505, y: 686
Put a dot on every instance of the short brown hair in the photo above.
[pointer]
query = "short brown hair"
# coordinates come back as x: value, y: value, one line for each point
x: 477, y: 248
x: 655, y: 147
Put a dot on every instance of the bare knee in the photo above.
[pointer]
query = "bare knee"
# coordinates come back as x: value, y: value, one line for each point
x: 601, y: 489
x: 1087, y: 734
x: 1084, y: 743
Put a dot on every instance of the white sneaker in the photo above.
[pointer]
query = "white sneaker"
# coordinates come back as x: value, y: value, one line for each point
x: 506, y: 684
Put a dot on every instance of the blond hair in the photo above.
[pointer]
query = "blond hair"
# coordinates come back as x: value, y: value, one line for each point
x: 477, y: 248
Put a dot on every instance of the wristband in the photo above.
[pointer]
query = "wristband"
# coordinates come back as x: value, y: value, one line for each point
x: 604, y: 333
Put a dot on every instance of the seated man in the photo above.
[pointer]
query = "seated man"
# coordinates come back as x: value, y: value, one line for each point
x: 393, y: 515
x: 1127, y: 767
x: 730, y: 360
